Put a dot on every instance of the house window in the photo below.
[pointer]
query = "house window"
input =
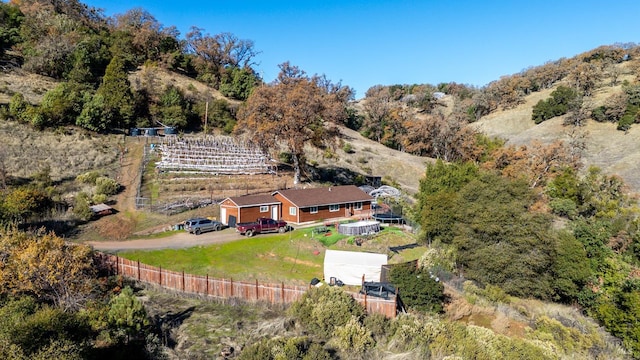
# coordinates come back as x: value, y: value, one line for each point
x: 264, y: 208
x: 357, y: 206
x: 334, y: 208
x: 313, y: 210
x: 292, y: 210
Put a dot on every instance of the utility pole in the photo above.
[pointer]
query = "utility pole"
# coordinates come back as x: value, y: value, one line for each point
x: 206, y: 116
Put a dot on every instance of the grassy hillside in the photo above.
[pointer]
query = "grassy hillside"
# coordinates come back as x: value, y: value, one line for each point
x: 616, y: 152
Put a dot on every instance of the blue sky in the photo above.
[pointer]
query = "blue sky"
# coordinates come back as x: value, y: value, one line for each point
x: 366, y: 43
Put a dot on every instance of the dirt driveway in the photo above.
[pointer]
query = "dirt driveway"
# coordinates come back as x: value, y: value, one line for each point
x: 176, y: 241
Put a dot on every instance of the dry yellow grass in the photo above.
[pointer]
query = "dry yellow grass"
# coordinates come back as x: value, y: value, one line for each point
x: 615, y: 152
x: 156, y: 79
x: 371, y: 157
x: 66, y: 153
x: 32, y: 86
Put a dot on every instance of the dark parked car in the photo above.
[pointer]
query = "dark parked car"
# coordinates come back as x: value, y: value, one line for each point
x: 199, y: 225
x: 262, y: 225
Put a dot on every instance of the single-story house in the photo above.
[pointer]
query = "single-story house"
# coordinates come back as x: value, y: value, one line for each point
x: 248, y: 208
x: 307, y: 205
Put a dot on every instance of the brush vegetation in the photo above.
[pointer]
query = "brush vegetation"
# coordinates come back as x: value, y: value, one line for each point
x: 524, y: 231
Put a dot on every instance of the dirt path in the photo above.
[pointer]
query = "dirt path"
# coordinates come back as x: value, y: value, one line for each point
x: 128, y: 176
x: 177, y: 241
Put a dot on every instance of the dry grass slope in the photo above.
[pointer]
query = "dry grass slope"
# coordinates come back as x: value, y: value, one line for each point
x: 615, y: 152
x: 67, y: 152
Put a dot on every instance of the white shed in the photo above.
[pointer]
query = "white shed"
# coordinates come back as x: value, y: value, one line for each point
x: 349, y: 266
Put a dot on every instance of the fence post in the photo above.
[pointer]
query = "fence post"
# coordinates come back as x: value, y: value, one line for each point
x: 395, y: 305
x: 231, y: 282
x: 366, y: 309
x: 160, y: 271
x: 138, y: 269
x: 257, y: 297
x: 117, y: 265
x: 206, y: 291
x: 182, y: 280
x: 282, y: 291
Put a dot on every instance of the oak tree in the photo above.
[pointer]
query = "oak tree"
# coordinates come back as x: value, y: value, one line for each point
x: 377, y: 111
x: 294, y: 111
x: 44, y: 266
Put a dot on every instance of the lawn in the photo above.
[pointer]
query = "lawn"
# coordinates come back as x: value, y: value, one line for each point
x: 295, y: 257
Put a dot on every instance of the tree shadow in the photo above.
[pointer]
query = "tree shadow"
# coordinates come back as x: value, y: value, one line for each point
x: 165, y: 323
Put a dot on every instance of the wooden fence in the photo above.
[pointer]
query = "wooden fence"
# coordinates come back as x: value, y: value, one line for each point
x: 226, y: 288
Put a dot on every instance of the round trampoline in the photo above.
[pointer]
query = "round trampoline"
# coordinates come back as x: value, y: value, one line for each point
x: 389, y: 218
x: 367, y: 227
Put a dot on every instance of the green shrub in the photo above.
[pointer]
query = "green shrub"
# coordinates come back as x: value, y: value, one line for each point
x: 347, y: 148
x: 18, y: 108
x: 36, y: 331
x: 260, y: 350
x: 496, y: 294
x: 127, y: 316
x: 559, y: 104
x: 286, y: 157
x: 89, y: 177
x: 106, y: 186
x: 99, y: 198
x: 353, y: 336
x: 564, y: 207
x: 474, y: 342
x: 81, y: 206
x: 626, y: 121
x: 323, y: 309
x: 414, y: 331
x: 285, y: 348
x: 418, y: 288
x: 378, y: 325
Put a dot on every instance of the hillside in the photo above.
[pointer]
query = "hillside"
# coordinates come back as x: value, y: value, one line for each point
x: 615, y: 152
x: 372, y: 158
x: 527, y: 276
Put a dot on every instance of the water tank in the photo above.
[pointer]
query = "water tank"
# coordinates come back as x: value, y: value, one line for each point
x: 152, y: 132
x: 170, y: 130
x: 134, y: 132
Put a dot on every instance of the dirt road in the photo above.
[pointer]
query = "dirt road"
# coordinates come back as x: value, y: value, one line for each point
x: 176, y: 241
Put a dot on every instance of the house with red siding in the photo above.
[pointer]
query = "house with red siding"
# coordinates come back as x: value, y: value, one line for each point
x: 298, y: 205
x: 248, y: 208
x: 308, y: 205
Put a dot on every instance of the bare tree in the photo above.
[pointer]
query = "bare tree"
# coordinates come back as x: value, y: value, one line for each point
x: 377, y: 110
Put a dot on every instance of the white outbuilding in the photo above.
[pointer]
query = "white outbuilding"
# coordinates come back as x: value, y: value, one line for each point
x: 350, y: 266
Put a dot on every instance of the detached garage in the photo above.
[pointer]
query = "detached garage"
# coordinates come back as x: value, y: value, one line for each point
x: 248, y: 208
x: 350, y: 266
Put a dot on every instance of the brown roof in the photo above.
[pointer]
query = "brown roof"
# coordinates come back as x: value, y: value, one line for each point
x: 325, y: 196
x: 253, y: 200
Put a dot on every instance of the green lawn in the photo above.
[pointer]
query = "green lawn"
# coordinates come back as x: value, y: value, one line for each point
x: 294, y: 257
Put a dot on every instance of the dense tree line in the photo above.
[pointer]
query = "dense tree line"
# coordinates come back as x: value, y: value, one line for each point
x: 417, y: 119
x: 91, y: 55
x: 501, y: 229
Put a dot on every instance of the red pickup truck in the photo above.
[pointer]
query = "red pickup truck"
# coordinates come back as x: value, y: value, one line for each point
x: 262, y: 225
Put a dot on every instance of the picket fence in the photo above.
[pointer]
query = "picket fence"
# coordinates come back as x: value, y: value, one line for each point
x: 226, y: 288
